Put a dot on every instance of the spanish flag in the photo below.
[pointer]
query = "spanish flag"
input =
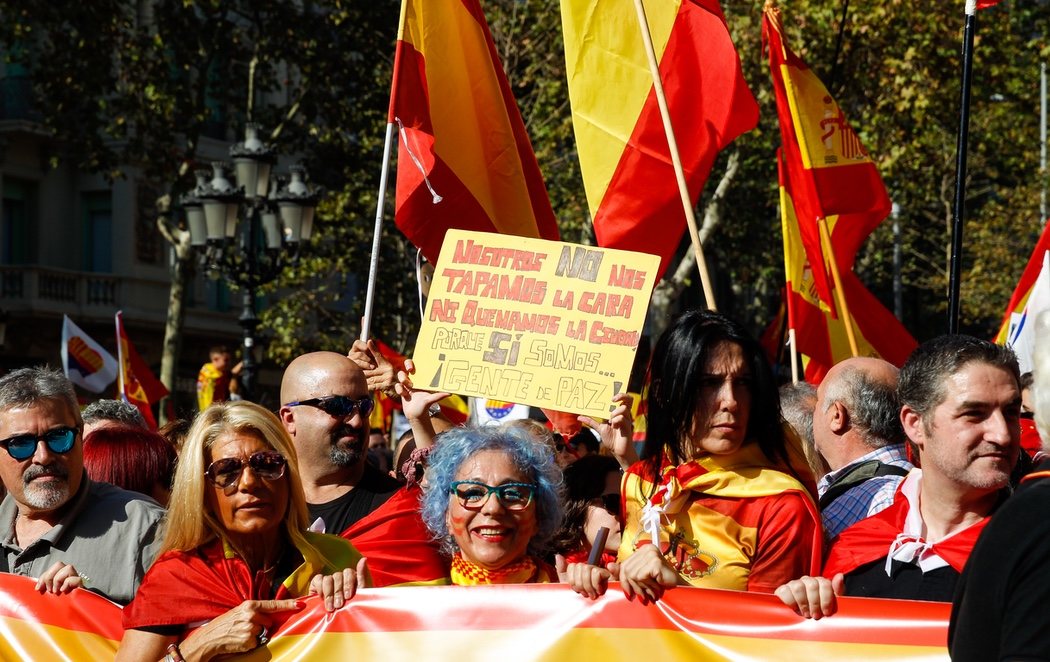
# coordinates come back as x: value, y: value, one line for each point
x: 820, y: 335
x: 464, y: 157
x: 831, y: 173
x: 135, y: 382
x: 625, y: 161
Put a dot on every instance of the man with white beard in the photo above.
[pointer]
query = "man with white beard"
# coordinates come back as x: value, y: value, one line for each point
x: 56, y: 524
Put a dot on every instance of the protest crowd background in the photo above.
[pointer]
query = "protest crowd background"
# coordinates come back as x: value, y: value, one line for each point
x: 660, y: 341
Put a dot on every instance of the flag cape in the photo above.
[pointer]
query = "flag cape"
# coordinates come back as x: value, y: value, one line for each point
x: 532, y: 622
x: 397, y: 544
x: 831, y: 173
x: 464, y: 157
x: 135, y: 382
x: 1024, y: 286
x: 820, y: 336
x: 624, y: 156
x: 84, y: 361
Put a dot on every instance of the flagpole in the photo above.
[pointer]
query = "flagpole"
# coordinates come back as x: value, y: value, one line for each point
x: 672, y: 144
x: 829, y: 252
x: 955, y: 270
x: 377, y: 233
x: 120, y: 357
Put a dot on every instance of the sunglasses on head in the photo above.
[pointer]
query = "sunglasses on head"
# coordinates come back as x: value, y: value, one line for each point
x: 339, y: 406
x: 473, y: 495
x: 23, y: 446
x: 268, y: 465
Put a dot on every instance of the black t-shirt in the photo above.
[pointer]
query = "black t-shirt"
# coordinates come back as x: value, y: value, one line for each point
x: 906, y: 582
x: 371, y: 492
x: 1001, y: 609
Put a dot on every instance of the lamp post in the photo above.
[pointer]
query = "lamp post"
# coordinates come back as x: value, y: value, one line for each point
x: 249, y: 232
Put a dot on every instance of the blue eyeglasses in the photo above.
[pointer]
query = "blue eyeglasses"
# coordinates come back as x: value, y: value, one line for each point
x: 473, y: 495
x: 23, y: 446
x: 339, y: 406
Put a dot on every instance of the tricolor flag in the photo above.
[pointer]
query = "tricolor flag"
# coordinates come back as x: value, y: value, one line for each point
x: 464, y: 157
x: 819, y: 335
x: 831, y: 173
x: 1019, y: 300
x: 84, y: 361
x: 1022, y: 334
x: 625, y: 161
x: 135, y: 382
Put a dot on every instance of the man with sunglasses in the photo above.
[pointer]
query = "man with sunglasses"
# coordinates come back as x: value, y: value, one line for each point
x: 56, y: 524
x: 326, y: 405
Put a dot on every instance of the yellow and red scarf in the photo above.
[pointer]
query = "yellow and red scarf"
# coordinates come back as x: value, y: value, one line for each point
x: 526, y: 571
x: 707, y: 536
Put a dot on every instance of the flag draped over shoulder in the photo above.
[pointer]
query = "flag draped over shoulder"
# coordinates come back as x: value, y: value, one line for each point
x: 624, y: 155
x: 86, y: 363
x: 464, y: 157
x: 1024, y: 286
x: 135, y: 382
x: 821, y: 337
x: 830, y: 172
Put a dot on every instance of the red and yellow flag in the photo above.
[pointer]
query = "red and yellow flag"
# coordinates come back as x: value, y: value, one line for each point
x: 830, y: 171
x: 820, y: 335
x: 464, y: 157
x: 624, y: 156
x: 1024, y: 286
x: 135, y: 382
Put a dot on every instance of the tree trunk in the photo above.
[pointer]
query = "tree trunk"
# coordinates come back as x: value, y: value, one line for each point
x: 180, y: 279
x: 668, y: 289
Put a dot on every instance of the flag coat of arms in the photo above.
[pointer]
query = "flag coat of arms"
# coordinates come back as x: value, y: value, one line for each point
x: 85, y: 362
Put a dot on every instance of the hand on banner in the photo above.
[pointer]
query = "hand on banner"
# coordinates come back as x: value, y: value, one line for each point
x: 647, y: 574
x: 588, y: 580
x: 416, y: 405
x: 380, y: 373
x: 241, y: 629
x: 812, y: 597
x: 339, y: 588
x: 60, y: 578
x: 617, y: 433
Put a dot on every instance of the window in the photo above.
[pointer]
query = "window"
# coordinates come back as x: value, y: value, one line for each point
x: 16, y: 213
x: 97, y: 255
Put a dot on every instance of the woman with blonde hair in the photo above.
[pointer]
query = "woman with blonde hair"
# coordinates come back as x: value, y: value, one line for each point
x: 236, y: 549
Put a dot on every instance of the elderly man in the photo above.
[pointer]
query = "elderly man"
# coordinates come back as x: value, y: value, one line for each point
x: 857, y: 430
x: 111, y: 413
x: 960, y: 405
x: 57, y: 524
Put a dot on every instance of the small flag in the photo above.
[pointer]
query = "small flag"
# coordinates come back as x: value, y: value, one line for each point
x: 135, y: 382
x: 84, y: 361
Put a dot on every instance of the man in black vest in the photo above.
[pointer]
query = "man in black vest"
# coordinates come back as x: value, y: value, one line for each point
x: 857, y: 429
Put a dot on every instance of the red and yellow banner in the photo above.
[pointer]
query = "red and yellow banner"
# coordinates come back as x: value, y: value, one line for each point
x: 464, y: 157
x: 624, y: 156
x: 538, y: 622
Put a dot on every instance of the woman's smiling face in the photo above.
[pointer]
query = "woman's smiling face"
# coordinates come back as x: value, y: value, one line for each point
x: 491, y: 535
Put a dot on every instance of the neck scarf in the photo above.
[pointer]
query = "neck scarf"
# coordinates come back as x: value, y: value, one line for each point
x: 525, y: 571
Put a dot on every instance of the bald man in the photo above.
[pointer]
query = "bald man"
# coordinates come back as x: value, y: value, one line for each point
x: 857, y: 430
x: 326, y: 406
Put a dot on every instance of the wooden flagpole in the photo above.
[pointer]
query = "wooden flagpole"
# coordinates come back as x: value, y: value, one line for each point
x: 672, y: 144
x: 829, y: 258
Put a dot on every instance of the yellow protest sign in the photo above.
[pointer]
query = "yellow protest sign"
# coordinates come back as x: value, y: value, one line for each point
x: 543, y: 323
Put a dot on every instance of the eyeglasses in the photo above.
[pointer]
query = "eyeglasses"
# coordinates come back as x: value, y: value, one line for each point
x: 611, y: 503
x: 473, y: 495
x: 339, y: 406
x: 23, y: 446
x: 560, y: 444
x: 268, y: 465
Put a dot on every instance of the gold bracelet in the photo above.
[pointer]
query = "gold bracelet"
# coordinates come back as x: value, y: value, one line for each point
x: 174, y: 654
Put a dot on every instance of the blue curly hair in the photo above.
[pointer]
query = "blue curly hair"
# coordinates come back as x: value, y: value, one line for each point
x: 533, y: 458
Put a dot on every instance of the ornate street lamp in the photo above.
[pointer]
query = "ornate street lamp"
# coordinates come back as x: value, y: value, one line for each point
x: 250, y: 252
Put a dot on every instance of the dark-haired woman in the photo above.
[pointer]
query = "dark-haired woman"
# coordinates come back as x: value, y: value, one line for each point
x: 592, y: 501
x: 719, y: 500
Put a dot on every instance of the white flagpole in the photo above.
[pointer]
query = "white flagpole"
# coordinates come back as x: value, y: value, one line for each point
x: 373, y: 265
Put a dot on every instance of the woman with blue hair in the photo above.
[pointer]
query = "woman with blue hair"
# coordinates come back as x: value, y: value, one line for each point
x: 493, y: 499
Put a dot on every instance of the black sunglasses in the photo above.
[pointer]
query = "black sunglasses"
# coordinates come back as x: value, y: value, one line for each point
x: 268, y: 465
x: 611, y: 503
x: 339, y: 406
x: 23, y: 446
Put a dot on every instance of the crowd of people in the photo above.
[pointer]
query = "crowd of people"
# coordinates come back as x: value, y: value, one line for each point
x: 880, y: 482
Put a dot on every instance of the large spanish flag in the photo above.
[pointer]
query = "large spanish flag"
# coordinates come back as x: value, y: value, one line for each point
x: 1024, y: 286
x: 464, y: 158
x: 523, y: 622
x: 624, y: 156
x: 830, y: 171
x: 819, y: 334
